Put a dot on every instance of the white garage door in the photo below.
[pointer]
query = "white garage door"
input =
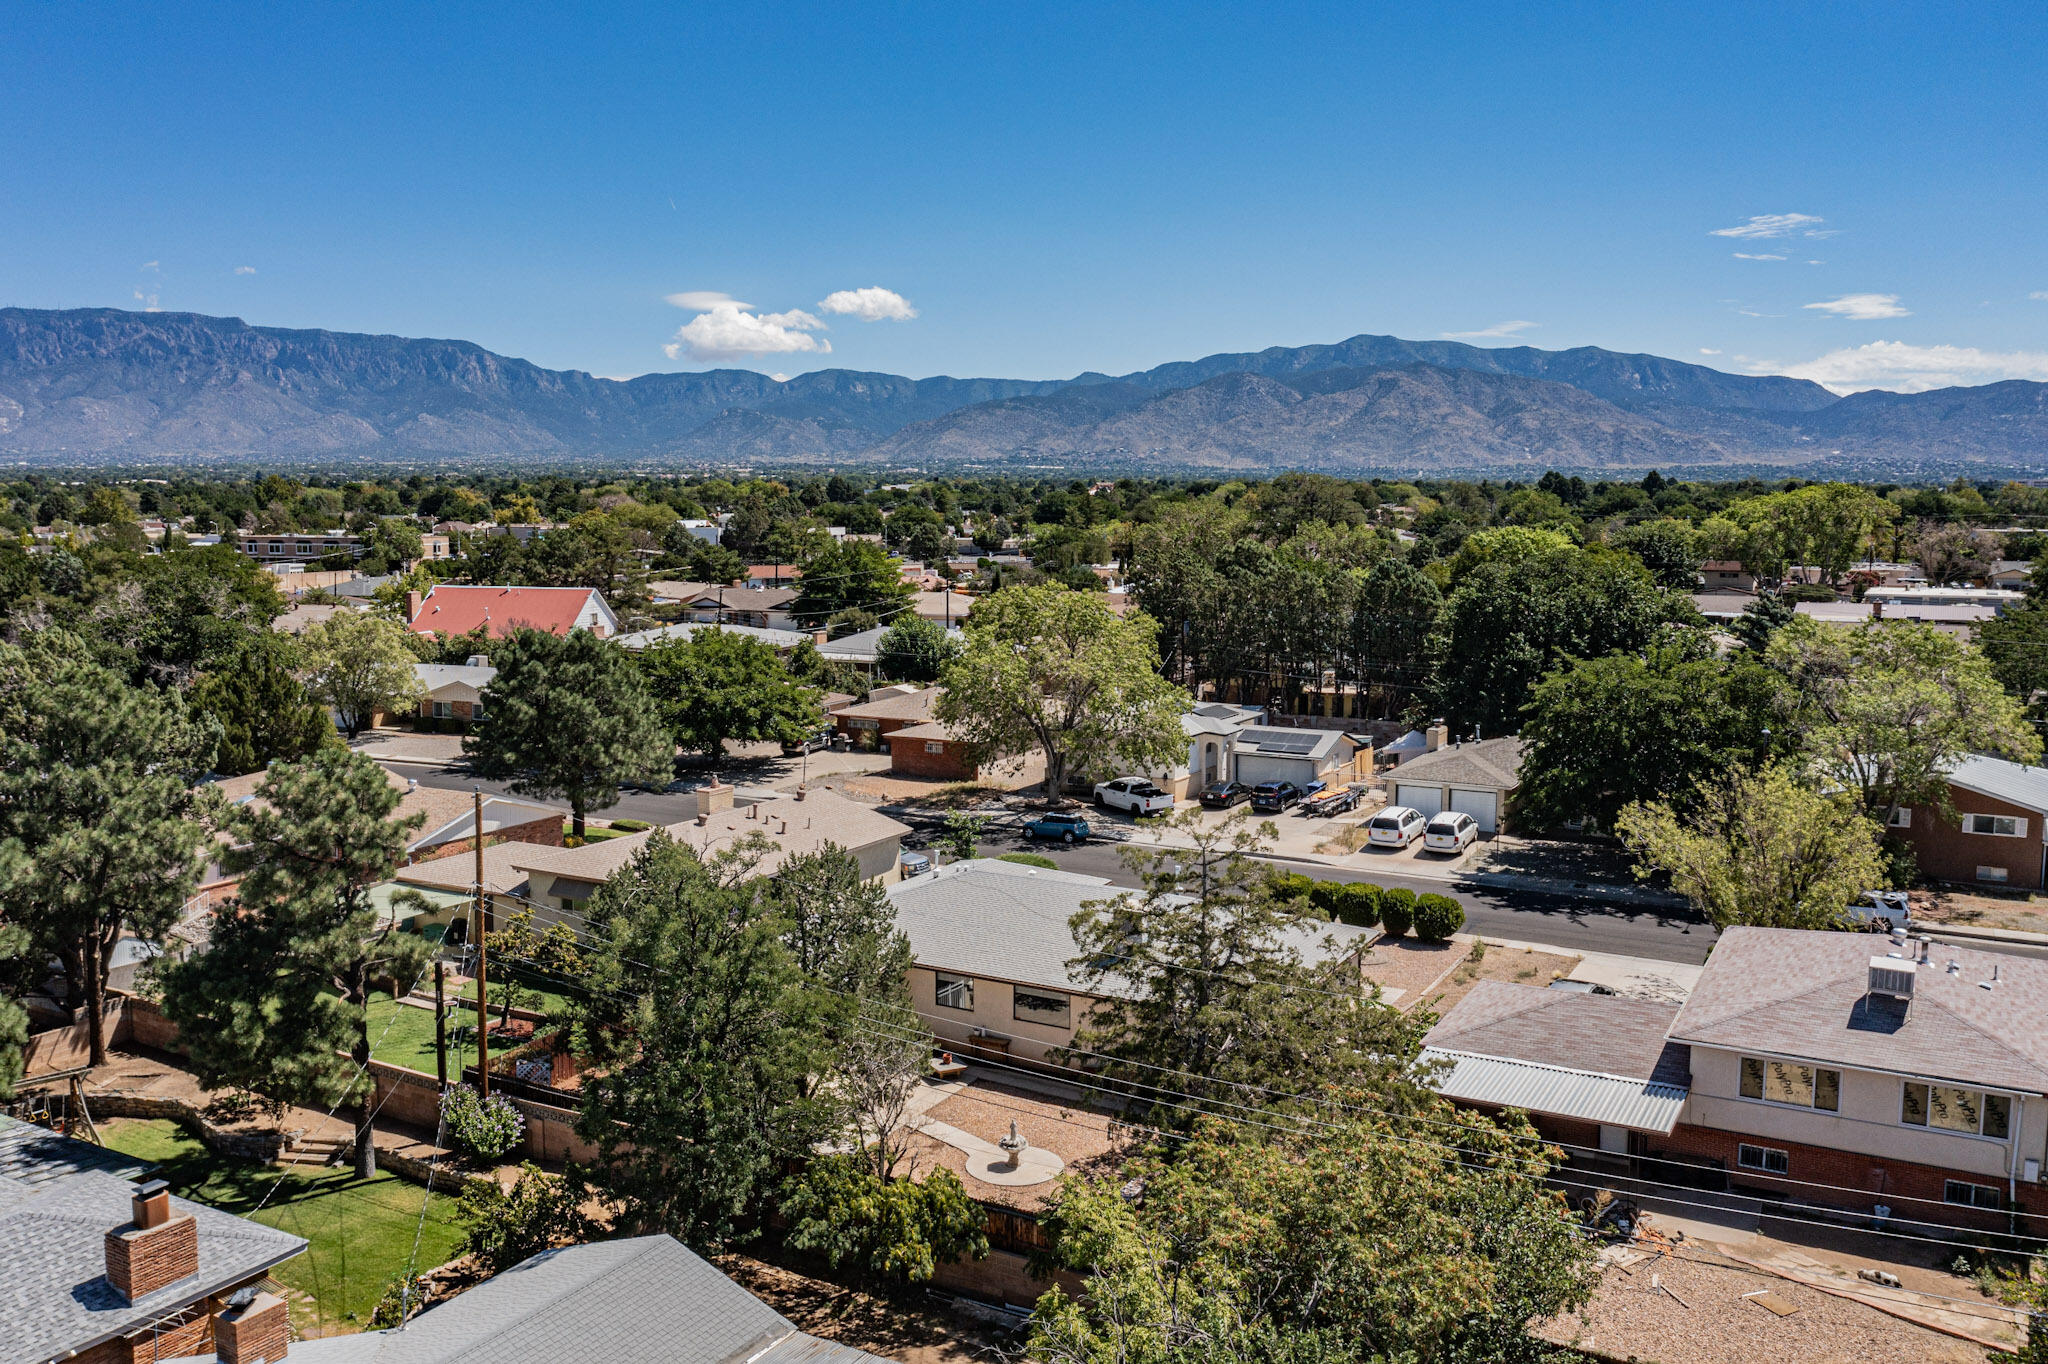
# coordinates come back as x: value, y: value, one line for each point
x: 1483, y: 806
x: 1429, y: 800
x: 1254, y: 769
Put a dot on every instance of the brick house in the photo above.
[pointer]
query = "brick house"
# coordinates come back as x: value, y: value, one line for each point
x: 453, y: 693
x: 454, y: 609
x: 1998, y: 834
x: 101, y: 1269
x: 1875, y: 1076
x: 1726, y: 575
x: 931, y: 750
x: 884, y: 711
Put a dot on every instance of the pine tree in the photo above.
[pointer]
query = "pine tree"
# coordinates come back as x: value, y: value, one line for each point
x: 264, y: 712
x: 569, y: 718
x: 284, y: 989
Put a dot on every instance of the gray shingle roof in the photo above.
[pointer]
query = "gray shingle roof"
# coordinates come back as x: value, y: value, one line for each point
x: 1805, y: 995
x: 2026, y: 787
x: 1604, y: 1033
x: 57, y: 1202
x: 645, y: 1300
x: 1489, y: 763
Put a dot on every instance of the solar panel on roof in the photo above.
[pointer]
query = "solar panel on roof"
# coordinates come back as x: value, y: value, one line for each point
x: 1288, y: 741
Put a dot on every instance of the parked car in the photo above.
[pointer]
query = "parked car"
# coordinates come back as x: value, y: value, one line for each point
x: 1334, y: 801
x: 1226, y: 795
x: 915, y: 864
x: 1394, y: 827
x: 1274, y: 796
x: 1452, y: 831
x: 1134, y: 794
x: 1883, y: 911
x: 810, y: 743
x: 1064, y: 828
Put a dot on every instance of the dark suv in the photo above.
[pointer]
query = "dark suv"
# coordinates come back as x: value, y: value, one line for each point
x: 1274, y: 796
x: 1228, y: 794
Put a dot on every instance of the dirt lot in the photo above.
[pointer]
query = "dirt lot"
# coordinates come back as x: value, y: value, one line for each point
x: 2019, y: 910
x: 1083, y: 1138
x: 905, y: 1328
x: 1516, y: 965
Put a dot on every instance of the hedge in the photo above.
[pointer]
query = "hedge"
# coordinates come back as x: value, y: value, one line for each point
x: 1359, y: 904
x: 1397, y: 910
x: 1437, y: 917
x: 1325, y: 896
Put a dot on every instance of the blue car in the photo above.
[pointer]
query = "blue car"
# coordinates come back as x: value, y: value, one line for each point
x: 1065, y: 828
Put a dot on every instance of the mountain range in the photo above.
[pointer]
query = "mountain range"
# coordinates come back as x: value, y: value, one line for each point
x: 102, y: 384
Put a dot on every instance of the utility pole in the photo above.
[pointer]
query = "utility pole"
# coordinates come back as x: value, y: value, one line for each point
x: 483, y: 929
x: 441, y: 1023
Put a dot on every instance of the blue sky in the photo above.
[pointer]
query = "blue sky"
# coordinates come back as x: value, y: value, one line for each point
x: 1049, y: 189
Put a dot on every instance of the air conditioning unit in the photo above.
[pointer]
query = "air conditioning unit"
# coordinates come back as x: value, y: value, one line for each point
x: 1893, y: 976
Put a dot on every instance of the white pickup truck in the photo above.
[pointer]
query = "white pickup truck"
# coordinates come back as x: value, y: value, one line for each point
x: 1134, y: 794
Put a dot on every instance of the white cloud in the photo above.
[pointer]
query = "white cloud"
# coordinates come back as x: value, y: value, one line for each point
x: 1776, y: 225
x: 151, y: 265
x: 704, y: 300
x: 779, y: 378
x: 1497, y: 331
x: 245, y: 269
x: 148, y: 301
x: 729, y: 332
x: 1708, y: 350
x: 1862, y: 307
x: 1757, y: 255
x: 872, y: 304
x: 2039, y: 295
x: 1904, y: 368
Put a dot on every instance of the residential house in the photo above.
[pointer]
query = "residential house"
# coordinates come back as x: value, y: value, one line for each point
x: 947, y: 608
x: 669, y: 592
x: 454, y: 691
x: 1951, y: 619
x: 780, y: 640
x: 858, y: 650
x: 1479, y: 778
x: 1726, y: 575
x: 449, y: 609
x: 2014, y: 575
x: 1897, y: 599
x: 607, y: 1302
x: 100, y: 1265
x: 764, y: 608
x: 1211, y: 728
x: 771, y: 575
x: 992, y: 952
x: 304, y: 546
x: 886, y: 710
x: 555, y: 881
x: 932, y: 749
x: 1996, y: 833
x: 1891, y: 1078
x: 700, y: 529
x: 1264, y: 753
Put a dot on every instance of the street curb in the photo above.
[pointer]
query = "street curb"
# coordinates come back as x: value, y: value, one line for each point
x: 2012, y: 935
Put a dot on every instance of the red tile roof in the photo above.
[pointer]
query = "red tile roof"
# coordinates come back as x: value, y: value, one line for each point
x: 451, y: 610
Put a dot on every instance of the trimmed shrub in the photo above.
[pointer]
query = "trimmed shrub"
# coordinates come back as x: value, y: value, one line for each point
x: 1437, y: 917
x: 1359, y: 905
x: 1289, y: 885
x: 1325, y: 896
x: 481, y: 1128
x: 1397, y: 910
x: 631, y: 826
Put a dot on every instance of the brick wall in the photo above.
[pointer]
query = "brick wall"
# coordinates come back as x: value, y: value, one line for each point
x: 546, y: 831
x: 139, y: 1261
x: 260, y: 1331
x: 410, y: 1097
x: 908, y: 757
x: 1946, y: 853
x: 182, y: 1341
x: 1861, y: 1181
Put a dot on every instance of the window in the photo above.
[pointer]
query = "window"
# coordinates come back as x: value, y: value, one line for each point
x: 443, y: 709
x: 1035, y: 1006
x: 954, y: 992
x: 1953, y: 1109
x: 1787, y: 1082
x: 1769, y: 1159
x: 1901, y: 818
x: 1991, y: 873
x: 934, y: 746
x: 1971, y: 1195
x: 2004, y: 826
x: 476, y: 710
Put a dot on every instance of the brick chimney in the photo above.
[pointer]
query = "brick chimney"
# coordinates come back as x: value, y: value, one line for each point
x: 154, y: 1250
x: 252, y: 1329
x: 1436, y: 736
x: 412, y: 606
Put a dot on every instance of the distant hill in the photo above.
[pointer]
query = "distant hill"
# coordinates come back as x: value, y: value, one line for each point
x: 104, y: 384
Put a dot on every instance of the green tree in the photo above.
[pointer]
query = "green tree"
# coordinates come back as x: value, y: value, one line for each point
x: 279, y: 1001
x: 884, y: 1230
x: 1760, y: 848
x: 1397, y: 607
x: 97, y: 814
x: 1058, y: 671
x: 359, y: 664
x: 503, y: 1227
x: 1510, y: 622
x: 1762, y: 619
x: 390, y: 544
x: 915, y: 650
x: 720, y: 685
x: 264, y: 712
x: 1669, y: 549
x: 1228, y: 987
x: 569, y: 717
x: 2015, y: 644
x: 1375, y: 1238
x: 1889, y: 707
x: 1602, y: 733
x: 839, y: 928
x: 14, y: 949
x: 854, y: 575
x: 701, y: 1028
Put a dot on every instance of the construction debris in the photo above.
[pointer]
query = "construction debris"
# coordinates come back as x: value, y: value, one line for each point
x: 1771, y: 1302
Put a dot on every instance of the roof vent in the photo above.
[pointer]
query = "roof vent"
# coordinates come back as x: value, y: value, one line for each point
x: 1892, y: 976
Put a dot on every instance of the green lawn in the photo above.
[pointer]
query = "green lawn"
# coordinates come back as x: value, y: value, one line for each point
x: 403, y: 1035
x: 360, y: 1233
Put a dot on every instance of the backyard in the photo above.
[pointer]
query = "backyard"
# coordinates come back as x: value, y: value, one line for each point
x: 360, y: 1233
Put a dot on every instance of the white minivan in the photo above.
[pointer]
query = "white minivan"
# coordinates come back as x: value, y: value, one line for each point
x: 1394, y: 827
x: 1452, y: 831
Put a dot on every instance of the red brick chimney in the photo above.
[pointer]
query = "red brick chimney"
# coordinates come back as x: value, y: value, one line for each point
x: 252, y: 1329
x: 154, y: 1250
x: 412, y: 606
